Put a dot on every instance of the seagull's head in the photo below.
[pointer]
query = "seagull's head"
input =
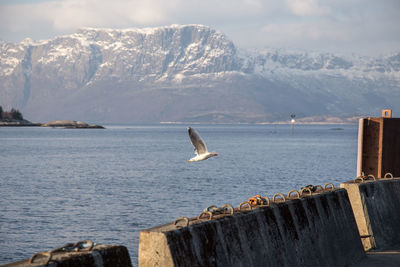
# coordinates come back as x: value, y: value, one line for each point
x: 213, y: 154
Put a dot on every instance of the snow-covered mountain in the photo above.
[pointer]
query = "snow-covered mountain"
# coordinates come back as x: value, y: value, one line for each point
x: 186, y: 73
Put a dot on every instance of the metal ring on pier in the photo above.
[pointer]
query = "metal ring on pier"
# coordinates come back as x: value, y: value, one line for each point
x: 47, y: 254
x: 74, y: 247
x: 186, y: 219
x: 331, y: 188
x: 224, y: 207
x: 360, y: 179
x: 319, y: 186
x: 91, y: 245
x: 388, y: 174
x: 211, y: 208
x: 370, y: 176
x: 266, y: 200
x: 305, y: 189
x: 207, y: 213
x: 66, y: 248
x: 293, y: 191
x: 279, y: 194
x: 259, y: 201
x: 244, y: 202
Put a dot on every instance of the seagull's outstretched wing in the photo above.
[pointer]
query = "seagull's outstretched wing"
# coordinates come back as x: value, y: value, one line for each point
x: 197, y: 142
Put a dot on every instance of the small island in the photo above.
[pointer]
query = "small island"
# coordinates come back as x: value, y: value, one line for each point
x: 71, y: 124
x: 14, y: 118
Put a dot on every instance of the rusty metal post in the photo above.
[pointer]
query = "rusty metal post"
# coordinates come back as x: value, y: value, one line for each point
x: 379, y: 146
x: 386, y: 113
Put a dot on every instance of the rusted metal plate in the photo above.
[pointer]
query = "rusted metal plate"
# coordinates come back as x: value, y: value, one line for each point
x: 371, y: 146
x: 380, y: 151
x: 391, y: 147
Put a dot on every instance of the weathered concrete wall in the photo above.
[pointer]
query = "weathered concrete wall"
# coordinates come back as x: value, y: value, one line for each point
x: 100, y: 256
x: 376, y: 206
x: 318, y: 230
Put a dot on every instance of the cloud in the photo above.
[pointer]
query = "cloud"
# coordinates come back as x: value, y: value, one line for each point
x: 304, y: 35
x: 307, y: 23
x: 306, y: 7
x: 72, y: 14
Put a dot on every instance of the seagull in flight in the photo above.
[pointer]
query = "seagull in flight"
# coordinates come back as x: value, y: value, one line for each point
x: 200, y: 148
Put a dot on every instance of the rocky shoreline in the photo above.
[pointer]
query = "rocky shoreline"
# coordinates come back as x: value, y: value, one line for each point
x: 16, y: 123
x: 69, y: 124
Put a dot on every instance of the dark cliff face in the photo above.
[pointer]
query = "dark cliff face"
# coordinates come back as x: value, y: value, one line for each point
x: 184, y: 73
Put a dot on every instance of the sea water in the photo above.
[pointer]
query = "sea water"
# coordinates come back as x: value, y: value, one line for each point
x: 61, y: 186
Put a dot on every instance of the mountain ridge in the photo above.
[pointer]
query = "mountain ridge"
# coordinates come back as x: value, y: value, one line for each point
x: 186, y: 73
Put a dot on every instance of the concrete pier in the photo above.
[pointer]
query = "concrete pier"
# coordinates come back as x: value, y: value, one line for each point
x: 376, y: 206
x: 317, y: 230
x: 98, y: 256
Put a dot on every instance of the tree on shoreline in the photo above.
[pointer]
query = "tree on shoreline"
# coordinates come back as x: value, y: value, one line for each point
x: 16, y: 115
x: 13, y: 114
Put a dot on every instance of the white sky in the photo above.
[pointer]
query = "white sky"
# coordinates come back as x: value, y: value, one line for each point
x: 367, y: 27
